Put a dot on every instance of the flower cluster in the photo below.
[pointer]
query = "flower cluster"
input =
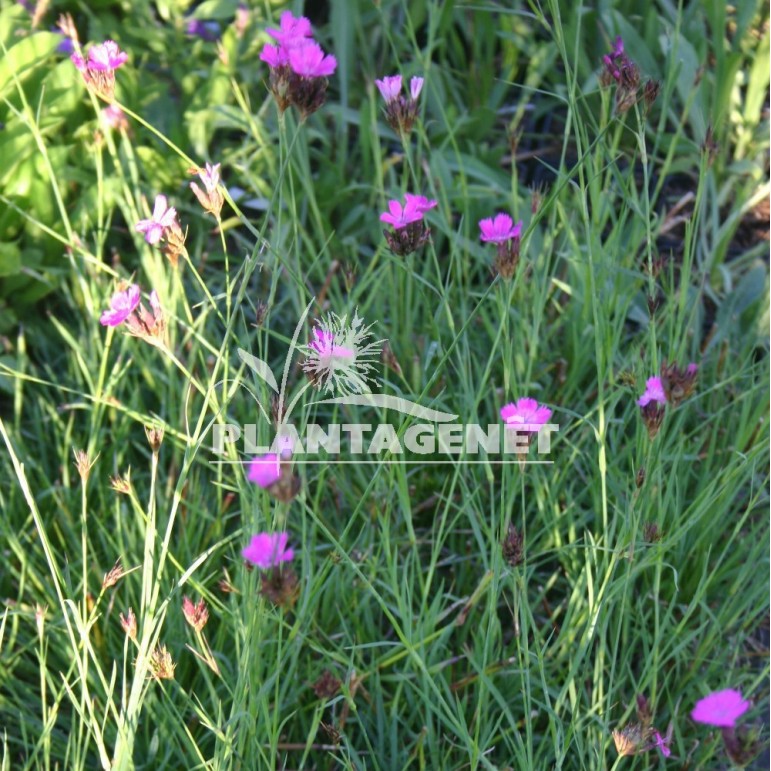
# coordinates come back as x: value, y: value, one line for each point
x: 501, y: 231
x: 98, y: 69
x: 401, y: 112
x: 409, y: 232
x: 163, y: 226
x: 672, y: 387
x: 619, y: 68
x: 126, y: 308
x: 299, y: 68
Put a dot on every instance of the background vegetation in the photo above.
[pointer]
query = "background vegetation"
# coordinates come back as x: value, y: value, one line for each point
x: 448, y: 656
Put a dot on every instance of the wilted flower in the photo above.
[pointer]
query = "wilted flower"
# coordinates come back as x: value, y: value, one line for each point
x: 621, y: 69
x: 98, y: 69
x: 401, y: 112
x: 268, y: 550
x: 164, y: 217
x: 677, y: 384
x: 280, y: 586
x: 113, y: 576
x: 409, y: 231
x: 161, y: 664
x: 121, y: 484
x: 628, y: 740
x: 721, y: 708
x: 661, y: 743
x: 196, y: 614
x: 129, y: 624
x: 327, y: 685
x: 501, y: 231
x: 211, y: 197
x: 512, y: 546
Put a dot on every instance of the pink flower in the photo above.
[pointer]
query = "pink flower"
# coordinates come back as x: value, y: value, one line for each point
x: 105, y: 56
x: 499, y: 228
x: 164, y: 217
x: 122, y: 305
x: 114, y: 117
x: 390, y: 87
x: 275, y: 56
x: 268, y: 550
x: 265, y: 470
x: 419, y: 202
x: 525, y: 415
x: 691, y: 369
x: 414, y: 208
x: 309, y: 61
x: 416, y: 84
x: 618, y: 47
x: 721, y: 708
x: 291, y: 29
x: 654, y: 392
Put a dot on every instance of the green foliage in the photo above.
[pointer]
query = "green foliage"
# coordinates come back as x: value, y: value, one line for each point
x: 448, y: 656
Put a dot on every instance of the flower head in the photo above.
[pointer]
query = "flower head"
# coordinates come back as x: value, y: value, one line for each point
x: 291, y: 29
x: 196, y: 613
x: 499, y: 229
x: 308, y: 60
x: 416, y: 84
x: 525, y: 415
x: 654, y: 392
x: 164, y: 217
x: 265, y: 470
x: 390, y: 87
x: 106, y: 56
x: 211, y: 198
x: 267, y: 550
x: 414, y: 208
x: 122, y: 305
x: 662, y: 742
x: 114, y: 117
x: 721, y: 708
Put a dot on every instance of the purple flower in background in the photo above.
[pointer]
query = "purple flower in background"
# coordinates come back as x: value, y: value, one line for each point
x: 499, y: 229
x: 308, y: 60
x: 390, y: 87
x: 114, y: 117
x: 268, y: 550
x: 206, y: 30
x: 721, y: 708
x: 662, y: 743
x: 654, y: 392
x: 164, y: 217
x: 122, y: 305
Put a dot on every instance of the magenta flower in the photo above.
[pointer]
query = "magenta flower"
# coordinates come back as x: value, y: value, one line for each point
x: 275, y: 56
x: 308, y: 60
x: 654, y: 392
x: 163, y: 218
x: 291, y: 29
x: 390, y: 87
x: 114, y: 117
x: 618, y: 47
x: 104, y: 56
x: 499, y: 229
x: 268, y: 550
x: 525, y: 415
x: 416, y: 84
x: 122, y: 305
x: 265, y: 470
x: 414, y: 208
x: 721, y: 708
